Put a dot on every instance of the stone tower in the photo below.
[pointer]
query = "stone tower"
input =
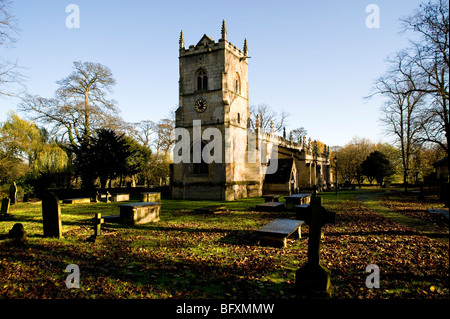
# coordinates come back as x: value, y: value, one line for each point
x: 214, y: 111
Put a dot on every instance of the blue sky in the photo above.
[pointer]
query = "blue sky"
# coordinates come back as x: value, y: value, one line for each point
x: 315, y: 60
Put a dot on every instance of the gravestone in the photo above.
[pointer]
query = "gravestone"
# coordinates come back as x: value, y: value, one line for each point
x: 18, y: 233
x: 13, y: 193
x: 388, y: 187
x: 51, y: 215
x: 97, y: 221
x: 5, y: 207
x: 313, y: 279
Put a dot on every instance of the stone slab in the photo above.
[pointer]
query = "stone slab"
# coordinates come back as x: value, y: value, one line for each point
x: 439, y: 211
x: 297, y: 199
x: 76, y: 200
x: 271, y: 197
x: 277, y: 231
x: 270, y: 207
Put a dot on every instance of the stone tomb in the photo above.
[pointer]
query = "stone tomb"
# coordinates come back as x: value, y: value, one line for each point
x: 76, y: 200
x: 150, y: 197
x: 139, y: 213
x: 277, y: 231
x: 120, y: 197
x: 297, y: 199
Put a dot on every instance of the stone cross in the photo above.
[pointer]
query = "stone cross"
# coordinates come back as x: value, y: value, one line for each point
x: 97, y: 221
x: 313, y: 278
x: 51, y: 215
x: 13, y: 193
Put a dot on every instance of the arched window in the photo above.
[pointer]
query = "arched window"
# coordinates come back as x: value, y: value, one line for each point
x: 202, y: 80
x: 201, y: 168
x: 237, y: 84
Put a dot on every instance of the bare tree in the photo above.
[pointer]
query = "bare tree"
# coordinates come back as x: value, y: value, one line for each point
x: 8, y: 29
x: 299, y: 133
x: 429, y: 56
x: 80, y: 105
x: 266, y: 117
x: 401, y: 114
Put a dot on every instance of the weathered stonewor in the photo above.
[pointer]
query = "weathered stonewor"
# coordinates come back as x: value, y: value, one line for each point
x: 313, y: 279
x: 139, y: 213
x: 51, y: 215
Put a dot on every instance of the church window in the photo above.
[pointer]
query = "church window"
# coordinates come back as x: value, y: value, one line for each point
x: 237, y: 85
x: 202, y: 80
x: 239, y: 118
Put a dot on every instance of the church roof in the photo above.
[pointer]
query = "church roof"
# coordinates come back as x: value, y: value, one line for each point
x: 283, y: 173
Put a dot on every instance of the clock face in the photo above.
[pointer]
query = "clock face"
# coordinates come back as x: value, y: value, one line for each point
x: 200, y: 105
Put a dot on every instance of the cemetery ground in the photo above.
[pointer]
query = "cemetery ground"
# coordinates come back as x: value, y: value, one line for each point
x: 191, y: 255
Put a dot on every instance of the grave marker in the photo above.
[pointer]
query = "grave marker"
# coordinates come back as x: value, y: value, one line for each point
x: 13, y: 193
x: 51, y: 215
x: 5, y: 207
x: 313, y: 278
x: 97, y: 221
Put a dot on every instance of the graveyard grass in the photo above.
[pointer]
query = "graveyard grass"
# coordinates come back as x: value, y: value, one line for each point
x: 189, y: 255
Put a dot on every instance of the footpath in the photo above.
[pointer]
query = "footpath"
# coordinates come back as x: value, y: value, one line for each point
x: 423, y: 227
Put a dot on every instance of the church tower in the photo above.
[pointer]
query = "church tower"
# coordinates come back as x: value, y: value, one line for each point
x: 214, y: 110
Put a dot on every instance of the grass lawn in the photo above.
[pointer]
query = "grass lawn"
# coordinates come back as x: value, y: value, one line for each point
x: 189, y: 255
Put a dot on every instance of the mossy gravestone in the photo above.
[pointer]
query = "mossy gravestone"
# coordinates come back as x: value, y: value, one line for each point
x: 51, y: 215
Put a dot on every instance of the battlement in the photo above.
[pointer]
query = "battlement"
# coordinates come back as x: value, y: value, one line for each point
x: 207, y: 44
x: 211, y: 46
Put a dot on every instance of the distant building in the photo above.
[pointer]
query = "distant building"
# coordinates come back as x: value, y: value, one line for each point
x: 213, y: 92
x: 441, y: 168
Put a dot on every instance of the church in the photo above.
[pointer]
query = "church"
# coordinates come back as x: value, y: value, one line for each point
x: 217, y: 156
